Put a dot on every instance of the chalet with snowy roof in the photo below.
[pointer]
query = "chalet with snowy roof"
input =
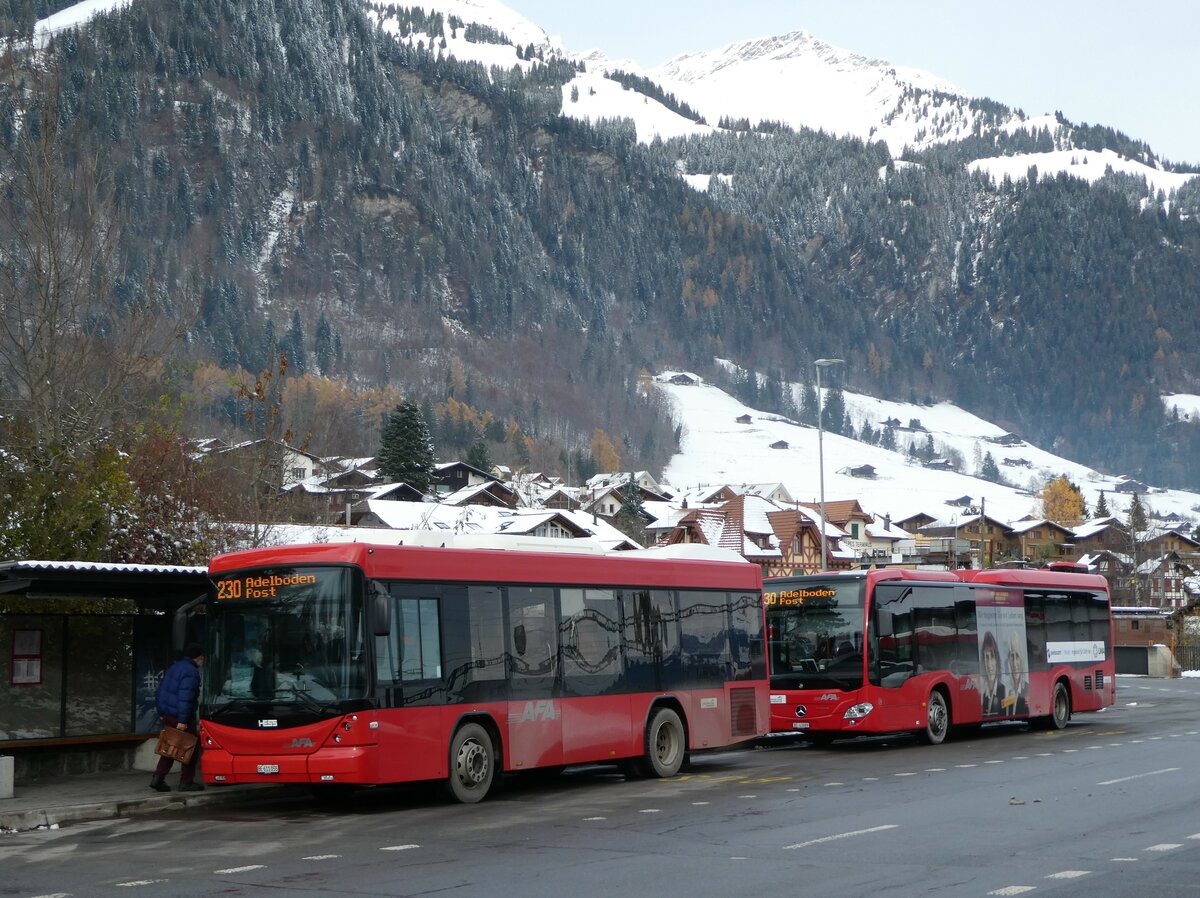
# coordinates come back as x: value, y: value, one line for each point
x: 914, y: 522
x: 938, y: 464
x: 1008, y: 439
x: 644, y: 479
x: 558, y: 498
x: 451, y: 477
x: 1017, y: 462
x: 1040, y: 540
x: 866, y: 472
x: 276, y: 464
x: 783, y: 541
x: 776, y: 492
x: 1172, y: 540
x: 884, y: 542
x: 493, y: 493
x: 988, y: 537
x: 1100, y: 534
x: 848, y: 516
x: 542, y: 524
x: 1130, y: 486
x: 744, y: 419
x: 683, y: 380
x: 1161, y: 581
x: 706, y: 495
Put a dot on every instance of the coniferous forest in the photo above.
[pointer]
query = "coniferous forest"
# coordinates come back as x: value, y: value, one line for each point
x: 282, y: 179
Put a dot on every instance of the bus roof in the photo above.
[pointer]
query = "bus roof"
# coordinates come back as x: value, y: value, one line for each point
x: 1028, y: 578
x: 674, y: 569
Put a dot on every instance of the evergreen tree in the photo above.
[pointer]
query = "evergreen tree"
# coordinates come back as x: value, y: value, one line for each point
x: 1137, y: 517
x: 629, y: 518
x: 478, y: 455
x: 988, y: 470
x: 405, y: 450
x: 1101, y: 507
x: 834, y: 414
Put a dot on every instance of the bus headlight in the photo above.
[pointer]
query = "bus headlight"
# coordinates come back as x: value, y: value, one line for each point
x: 859, y: 711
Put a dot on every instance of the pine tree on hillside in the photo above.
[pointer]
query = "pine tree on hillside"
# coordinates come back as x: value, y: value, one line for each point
x: 1102, y: 507
x: 479, y: 457
x: 405, y: 449
x: 989, y: 470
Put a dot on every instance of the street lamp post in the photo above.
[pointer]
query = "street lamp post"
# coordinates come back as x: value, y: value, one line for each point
x: 822, y: 363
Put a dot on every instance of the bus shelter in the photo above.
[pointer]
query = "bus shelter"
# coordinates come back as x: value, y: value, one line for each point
x: 82, y: 648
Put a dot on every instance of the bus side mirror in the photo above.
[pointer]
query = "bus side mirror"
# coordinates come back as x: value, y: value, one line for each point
x: 381, y: 611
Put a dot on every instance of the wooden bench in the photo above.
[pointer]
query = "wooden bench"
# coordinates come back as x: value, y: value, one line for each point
x: 69, y: 741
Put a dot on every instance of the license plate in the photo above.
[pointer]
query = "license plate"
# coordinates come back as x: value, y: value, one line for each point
x: 268, y: 768
x: 801, y: 726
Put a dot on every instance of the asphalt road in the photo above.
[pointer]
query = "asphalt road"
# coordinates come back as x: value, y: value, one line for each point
x: 1105, y: 807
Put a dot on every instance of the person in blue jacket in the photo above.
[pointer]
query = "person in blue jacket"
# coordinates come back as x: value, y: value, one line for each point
x: 178, y: 702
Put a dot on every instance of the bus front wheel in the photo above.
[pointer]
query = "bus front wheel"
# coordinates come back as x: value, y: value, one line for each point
x: 665, y: 743
x: 472, y: 764
x: 937, y: 724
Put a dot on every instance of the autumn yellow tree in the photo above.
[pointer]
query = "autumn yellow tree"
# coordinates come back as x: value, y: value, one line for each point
x: 604, y: 453
x: 1062, y: 502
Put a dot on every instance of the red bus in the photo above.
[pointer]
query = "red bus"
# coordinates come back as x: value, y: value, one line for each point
x: 351, y: 664
x: 888, y: 651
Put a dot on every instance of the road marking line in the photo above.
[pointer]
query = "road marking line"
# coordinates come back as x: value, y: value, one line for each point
x: 1026, y: 757
x: 835, y: 784
x: 399, y: 847
x: 55, y: 895
x: 966, y: 765
x: 1194, y: 836
x: 935, y: 769
x: 870, y: 779
x: 857, y: 832
x: 320, y: 857
x: 904, y: 774
x: 1129, y: 860
x: 1165, y: 846
x: 138, y: 882
x: 1047, y: 754
x: 1137, y: 776
x: 591, y: 819
x: 699, y: 803
x: 649, y: 811
x: 1013, y: 890
x: 747, y: 796
x: 1070, y: 751
x: 1069, y: 874
x: 241, y: 869
x: 993, y: 762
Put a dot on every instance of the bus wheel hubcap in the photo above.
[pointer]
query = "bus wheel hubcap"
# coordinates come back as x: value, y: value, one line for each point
x: 472, y: 763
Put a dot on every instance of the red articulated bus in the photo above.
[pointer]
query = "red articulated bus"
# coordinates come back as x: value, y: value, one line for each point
x: 889, y: 651
x: 351, y: 664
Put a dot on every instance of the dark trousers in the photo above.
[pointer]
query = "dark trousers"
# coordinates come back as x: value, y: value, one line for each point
x: 187, y: 773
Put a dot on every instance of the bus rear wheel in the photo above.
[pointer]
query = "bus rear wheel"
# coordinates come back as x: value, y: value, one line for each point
x: 665, y: 744
x: 1060, y: 708
x: 472, y: 764
x: 937, y: 725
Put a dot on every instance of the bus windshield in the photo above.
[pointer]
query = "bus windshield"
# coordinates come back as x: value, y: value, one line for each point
x: 286, y: 635
x: 815, y: 632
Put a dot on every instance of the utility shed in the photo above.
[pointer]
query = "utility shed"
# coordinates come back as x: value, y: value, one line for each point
x: 82, y: 648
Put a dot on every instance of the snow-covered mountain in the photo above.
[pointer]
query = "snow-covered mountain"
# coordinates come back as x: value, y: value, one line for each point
x: 796, y: 79
x: 716, y: 448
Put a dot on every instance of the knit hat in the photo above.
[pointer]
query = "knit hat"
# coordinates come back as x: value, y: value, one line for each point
x: 193, y: 650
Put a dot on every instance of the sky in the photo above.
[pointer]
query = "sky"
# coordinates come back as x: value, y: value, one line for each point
x: 1107, y: 62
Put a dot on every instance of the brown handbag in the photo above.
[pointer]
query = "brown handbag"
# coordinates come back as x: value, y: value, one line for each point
x: 176, y: 744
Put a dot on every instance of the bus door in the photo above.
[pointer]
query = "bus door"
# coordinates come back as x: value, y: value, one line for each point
x: 534, y: 714
x: 596, y: 718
